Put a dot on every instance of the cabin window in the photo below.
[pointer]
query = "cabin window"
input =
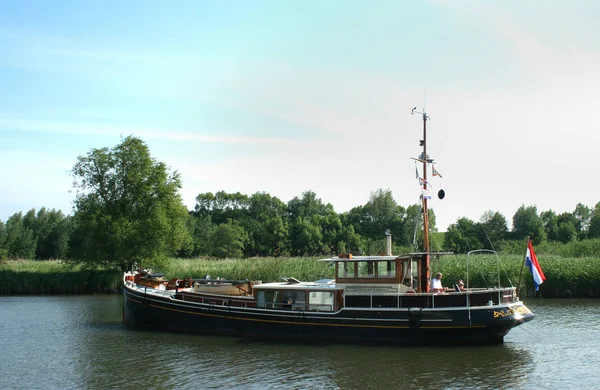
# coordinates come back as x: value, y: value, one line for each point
x: 366, y: 269
x: 358, y: 301
x: 293, y: 300
x: 386, y: 269
x: 346, y: 269
x: 415, y: 301
x: 320, y: 301
x: 410, y: 272
x: 385, y: 301
x: 268, y: 299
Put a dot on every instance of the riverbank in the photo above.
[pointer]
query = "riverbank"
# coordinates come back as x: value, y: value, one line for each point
x: 565, y: 277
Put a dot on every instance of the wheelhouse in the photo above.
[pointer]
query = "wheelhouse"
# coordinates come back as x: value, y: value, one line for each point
x: 391, y: 274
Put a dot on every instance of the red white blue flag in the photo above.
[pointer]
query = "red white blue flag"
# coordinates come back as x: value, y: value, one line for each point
x: 534, y: 267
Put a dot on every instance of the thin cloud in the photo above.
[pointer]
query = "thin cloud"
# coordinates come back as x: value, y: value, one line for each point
x: 101, y: 55
x: 83, y: 128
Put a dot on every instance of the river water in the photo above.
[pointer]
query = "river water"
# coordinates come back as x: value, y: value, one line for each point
x: 79, y: 342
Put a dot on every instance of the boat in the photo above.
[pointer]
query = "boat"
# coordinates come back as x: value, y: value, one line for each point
x: 383, y: 299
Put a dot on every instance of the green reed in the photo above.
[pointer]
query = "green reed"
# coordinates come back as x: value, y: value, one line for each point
x: 565, y: 276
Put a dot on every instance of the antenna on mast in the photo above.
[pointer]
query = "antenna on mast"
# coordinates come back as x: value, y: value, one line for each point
x: 424, y: 160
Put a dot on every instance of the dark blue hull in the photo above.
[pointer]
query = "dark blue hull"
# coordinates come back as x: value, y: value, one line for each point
x: 481, y: 325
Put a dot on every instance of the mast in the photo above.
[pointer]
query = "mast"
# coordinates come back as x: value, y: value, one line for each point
x: 423, y: 158
x: 425, y: 276
x: 424, y: 198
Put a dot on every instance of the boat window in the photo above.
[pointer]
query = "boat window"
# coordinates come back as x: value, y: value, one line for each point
x: 385, y: 301
x: 294, y: 300
x: 345, y: 269
x: 386, y: 269
x: 415, y: 273
x: 366, y: 269
x: 358, y: 301
x: 268, y: 299
x: 320, y: 301
x: 410, y: 274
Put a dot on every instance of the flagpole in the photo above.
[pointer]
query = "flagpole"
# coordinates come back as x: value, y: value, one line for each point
x: 522, y: 266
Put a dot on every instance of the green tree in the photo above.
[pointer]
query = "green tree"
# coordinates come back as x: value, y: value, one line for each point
x: 413, y: 228
x: 527, y: 222
x: 222, y: 206
x: 594, y: 229
x: 379, y: 214
x: 200, y: 228
x: 462, y: 236
x: 128, y: 208
x: 413, y: 222
x: 227, y: 240
x: 52, y: 230
x: 313, y: 225
x: 307, y: 238
x: 349, y: 241
x: 583, y: 216
x: 492, y: 229
x: 3, y: 249
x: 19, y: 237
x: 550, y: 221
x: 267, y: 226
x: 567, y: 230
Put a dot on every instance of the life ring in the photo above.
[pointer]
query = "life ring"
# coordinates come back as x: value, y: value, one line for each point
x: 414, y: 323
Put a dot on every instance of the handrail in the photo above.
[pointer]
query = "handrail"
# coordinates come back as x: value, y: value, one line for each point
x: 489, y: 251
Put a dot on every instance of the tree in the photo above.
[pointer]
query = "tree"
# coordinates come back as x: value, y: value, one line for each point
x: 228, y: 239
x: 19, y: 239
x: 200, y: 229
x: 462, y: 236
x: 583, y: 215
x: 379, y: 214
x: 492, y: 229
x: 527, y: 222
x: 222, y: 206
x: 307, y: 238
x: 266, y: 225
x: 3, y: 249
x: 413, y: 227
x: 550, y: 221
x: 349, y: 241
x: 52, y: 230
x: 594, y: 229
x: 128, y: 208
x: 313, y: 226
x: 567, y: 230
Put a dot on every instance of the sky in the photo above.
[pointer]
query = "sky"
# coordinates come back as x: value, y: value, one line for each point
x: 285, y: 97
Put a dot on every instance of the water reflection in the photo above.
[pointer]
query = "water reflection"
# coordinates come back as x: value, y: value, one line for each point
x: 174, y: 361
x: 79, y: 342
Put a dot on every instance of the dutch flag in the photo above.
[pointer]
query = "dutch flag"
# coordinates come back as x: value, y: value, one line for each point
x: 534, y: 267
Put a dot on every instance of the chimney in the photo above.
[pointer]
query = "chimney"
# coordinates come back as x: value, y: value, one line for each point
x: 388, y: 242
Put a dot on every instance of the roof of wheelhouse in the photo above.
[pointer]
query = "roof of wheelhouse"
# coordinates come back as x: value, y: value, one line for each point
x: 383, y: 258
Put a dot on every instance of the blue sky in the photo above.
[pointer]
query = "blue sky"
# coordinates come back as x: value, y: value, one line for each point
x: 285, y: 97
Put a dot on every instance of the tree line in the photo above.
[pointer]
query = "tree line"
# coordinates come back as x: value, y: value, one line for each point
x: 128, y: 210
x: 492, y: 232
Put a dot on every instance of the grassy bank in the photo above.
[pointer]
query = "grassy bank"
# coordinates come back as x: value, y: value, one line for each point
x: 566, y: 277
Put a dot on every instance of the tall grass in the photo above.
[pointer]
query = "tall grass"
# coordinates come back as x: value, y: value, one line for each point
x: 565, y: 276
x: 54, y: 277
x: 267, y: 269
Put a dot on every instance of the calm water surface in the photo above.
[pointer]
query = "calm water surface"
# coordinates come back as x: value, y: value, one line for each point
x: 78, y: 342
